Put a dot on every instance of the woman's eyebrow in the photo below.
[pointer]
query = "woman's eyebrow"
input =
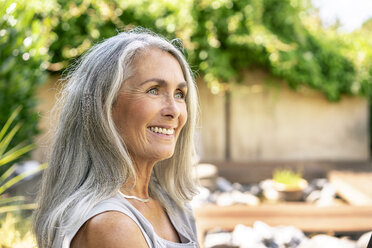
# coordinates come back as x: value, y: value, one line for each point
x: 162, y: 82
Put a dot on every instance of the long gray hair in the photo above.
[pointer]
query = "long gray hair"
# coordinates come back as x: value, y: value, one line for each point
x: 89, y: 161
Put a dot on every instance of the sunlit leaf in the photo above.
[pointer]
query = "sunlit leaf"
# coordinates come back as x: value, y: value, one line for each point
x: 21, y: 176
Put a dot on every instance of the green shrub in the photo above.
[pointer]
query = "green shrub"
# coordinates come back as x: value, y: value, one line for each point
x: 81, y: 24
x: 222, y: 38
x: 272, y: 34
x: 24, y: 42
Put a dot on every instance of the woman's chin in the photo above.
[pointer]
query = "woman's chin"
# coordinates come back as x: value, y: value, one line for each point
x: 165, y: 155
x: 156, y: 157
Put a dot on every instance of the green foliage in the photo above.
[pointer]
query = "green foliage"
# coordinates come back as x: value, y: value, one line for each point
x: 224, y: 37
x: 24, y: 42
x: 15, y: 232
x: 83, y: 24
x: 235, y: 35
x: 7, y: 156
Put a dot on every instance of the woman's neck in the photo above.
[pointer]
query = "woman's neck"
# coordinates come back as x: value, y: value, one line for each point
x: 141, y: 187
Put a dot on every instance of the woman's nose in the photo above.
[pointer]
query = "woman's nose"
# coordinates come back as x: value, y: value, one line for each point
x: 170, y: 108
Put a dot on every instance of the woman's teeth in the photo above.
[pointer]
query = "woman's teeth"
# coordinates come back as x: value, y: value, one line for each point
x: 162, y: 130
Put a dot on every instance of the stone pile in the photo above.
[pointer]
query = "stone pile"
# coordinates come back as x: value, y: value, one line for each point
x: 224, y: 193
x: 319, y: 192
x: 262, y: 235
x: 227, y: 194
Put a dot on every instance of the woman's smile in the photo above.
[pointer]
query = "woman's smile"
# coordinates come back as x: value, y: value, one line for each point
x: 162, y: 131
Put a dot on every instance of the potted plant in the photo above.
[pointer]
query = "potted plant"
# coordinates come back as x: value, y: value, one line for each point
x: 289, y: 184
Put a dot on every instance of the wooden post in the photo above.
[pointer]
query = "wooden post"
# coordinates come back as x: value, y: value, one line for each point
x: 227, y: 124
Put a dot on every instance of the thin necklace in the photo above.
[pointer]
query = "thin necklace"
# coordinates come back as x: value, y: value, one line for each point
x: 134, y: 197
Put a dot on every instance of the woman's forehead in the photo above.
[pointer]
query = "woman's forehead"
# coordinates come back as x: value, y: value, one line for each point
x: 156, y: 63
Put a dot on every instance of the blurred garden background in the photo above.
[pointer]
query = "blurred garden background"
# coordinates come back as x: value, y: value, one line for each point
x: 278, y: 88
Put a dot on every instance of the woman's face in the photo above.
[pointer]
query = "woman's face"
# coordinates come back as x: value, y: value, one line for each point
x: 150, y: 109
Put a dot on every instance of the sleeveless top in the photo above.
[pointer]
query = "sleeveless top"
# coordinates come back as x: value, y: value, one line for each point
x: 182, y: 221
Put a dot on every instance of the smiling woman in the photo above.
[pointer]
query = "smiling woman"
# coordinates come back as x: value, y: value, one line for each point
x: 154, y: 98
x: 120, y: 167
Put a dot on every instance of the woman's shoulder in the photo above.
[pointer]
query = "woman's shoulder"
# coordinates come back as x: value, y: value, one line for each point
x: 109, y: 229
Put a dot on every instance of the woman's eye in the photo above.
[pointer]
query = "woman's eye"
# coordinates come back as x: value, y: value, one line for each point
x: 180, y: 95
x: 153, y: 91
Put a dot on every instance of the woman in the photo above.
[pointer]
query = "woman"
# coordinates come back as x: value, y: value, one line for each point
x: 119, y: 172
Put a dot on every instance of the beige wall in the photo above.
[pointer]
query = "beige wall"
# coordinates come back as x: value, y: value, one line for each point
x: 211, y: 131
x: 269, y: 122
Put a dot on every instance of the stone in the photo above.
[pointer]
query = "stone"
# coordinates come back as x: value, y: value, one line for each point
x: 245, y: 236
x: 225, y: 199
x: 239, y: 187
x: 271, y: 195
x: 288, y: 236
x: 270, y: 243
x: 263, y: 230
x: 224, y: 185
x: 207, y: 175
x: 269, y: 191
x: 267, y: 184
x: 213, y: 240
x: 319, y: 183
x: 327, y: 195
x: 315, y: 185
x: 255, y: 189
x: 313, y: 196
x: 325, y: 241
x: 202, y: 198
x: 364, y: 240
x: 244, y: 198
x: 262, y: 235
x: 214, y: 196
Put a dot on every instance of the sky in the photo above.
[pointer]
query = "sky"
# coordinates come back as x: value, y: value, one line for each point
x: 351, y: 13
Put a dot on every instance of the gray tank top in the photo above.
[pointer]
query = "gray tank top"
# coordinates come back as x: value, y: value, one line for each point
x: 182, y: 221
